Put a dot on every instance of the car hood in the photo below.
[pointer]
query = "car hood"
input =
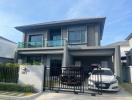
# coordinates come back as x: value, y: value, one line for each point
x: 104, y: 78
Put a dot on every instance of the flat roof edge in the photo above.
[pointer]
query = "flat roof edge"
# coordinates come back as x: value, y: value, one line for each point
x: 62, y: 22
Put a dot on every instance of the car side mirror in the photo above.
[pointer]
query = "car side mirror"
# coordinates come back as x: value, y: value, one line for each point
x: 115, y: 75
x: 89, y: 73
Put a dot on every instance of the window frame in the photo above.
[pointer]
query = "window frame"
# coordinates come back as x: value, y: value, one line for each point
x: 82, y: 29
x: 29, y: 37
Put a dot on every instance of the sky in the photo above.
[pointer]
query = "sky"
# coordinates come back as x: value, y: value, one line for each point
x: 118, y: 15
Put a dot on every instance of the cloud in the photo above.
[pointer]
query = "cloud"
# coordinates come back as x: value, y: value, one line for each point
x: 18, y: 12
x: 118, y: 16
x: 77, y: 10
x: 122, y: 17
x: 7, y: 24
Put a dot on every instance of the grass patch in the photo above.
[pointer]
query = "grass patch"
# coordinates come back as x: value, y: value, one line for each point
x: 127, y: 87
x: 16, y: 87
x: 28, y: 94
x: 12, y: 93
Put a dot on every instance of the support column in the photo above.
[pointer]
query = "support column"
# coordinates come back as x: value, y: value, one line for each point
x: 19, y: 60
x: 131, y: 56
x: 65, y: 54
x: 130, y: 74
x: 117, y: 63
x: 16, y: 57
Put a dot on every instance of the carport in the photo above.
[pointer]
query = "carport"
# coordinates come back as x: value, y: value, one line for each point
x: 87, y: 61
x: 105, y: 56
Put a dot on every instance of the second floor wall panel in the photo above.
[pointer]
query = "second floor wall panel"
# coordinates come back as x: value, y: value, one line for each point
x: 92, y: 34
x: 43, y: 33
x: 64, y: 33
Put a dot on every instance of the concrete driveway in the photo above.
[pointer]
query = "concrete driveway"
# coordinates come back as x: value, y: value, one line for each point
x: 121, y: 95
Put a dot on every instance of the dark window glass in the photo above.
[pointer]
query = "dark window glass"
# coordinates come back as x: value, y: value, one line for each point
x: 34, y: 60
x: 35, y: 38
x: 55, y: 34
x: 35, y: 41
x: 76, y: 35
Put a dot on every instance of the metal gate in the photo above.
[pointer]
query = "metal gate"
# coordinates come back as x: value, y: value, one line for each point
x: 73, y: 79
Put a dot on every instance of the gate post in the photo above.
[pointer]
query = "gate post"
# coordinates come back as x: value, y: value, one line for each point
x: 44, y: 84
x: 82, y: 79
x: 100, y: 76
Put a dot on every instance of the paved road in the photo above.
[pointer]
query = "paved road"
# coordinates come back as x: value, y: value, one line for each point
x: 122, y: 95
x: 65, y: 96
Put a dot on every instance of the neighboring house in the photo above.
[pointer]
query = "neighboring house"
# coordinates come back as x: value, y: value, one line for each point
x: 124, y: 48
x: 129, y: 58
x: 129, y: 53
x: 69, y: 42
x: 7, y: 50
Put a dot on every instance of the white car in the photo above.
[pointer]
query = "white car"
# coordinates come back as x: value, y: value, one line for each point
x: 108, y: 83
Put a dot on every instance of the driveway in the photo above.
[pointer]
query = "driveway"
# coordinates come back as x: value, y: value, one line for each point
x: 121, y: 95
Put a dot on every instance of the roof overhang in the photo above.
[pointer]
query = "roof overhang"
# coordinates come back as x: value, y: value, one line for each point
x: 129, y: 36
x: 40, y: 26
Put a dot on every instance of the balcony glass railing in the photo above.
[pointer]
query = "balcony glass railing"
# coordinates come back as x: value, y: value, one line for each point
x: 50, y: 43
x: 55, y: 43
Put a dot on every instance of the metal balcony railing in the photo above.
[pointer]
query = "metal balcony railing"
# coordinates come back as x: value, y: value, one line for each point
x: 49, y: 43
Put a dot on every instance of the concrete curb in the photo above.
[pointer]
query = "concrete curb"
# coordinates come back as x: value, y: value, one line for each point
x: 32, y: 97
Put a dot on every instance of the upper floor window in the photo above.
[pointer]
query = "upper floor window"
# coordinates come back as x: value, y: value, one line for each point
x: 55, y: 38
x: 35, y: 38
x: 76, y: 35
x: 55, y: 34
x: 35, y: 41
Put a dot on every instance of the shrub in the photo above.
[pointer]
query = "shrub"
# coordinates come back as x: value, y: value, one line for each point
x: 9, y: 65
x: 9, y: 72
x: 16, y: 87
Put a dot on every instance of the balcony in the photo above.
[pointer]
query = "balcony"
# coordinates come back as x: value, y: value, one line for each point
x: 50, y: 43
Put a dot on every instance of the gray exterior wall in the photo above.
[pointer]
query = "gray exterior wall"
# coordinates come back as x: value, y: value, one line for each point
x: 92, y: 34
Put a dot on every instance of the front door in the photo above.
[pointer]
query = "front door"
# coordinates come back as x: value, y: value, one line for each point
x: 55, y: 67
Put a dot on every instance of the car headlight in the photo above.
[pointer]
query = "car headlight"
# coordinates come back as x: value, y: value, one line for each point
x: 91, y: 81
x: 113, y: 82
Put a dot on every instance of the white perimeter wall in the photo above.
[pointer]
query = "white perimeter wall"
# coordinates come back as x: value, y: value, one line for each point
x: 34, y: 75
x: 130, y: 43
x: 124, y: 49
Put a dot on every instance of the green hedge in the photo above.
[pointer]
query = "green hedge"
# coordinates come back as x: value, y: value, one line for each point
x: 9, y: 74
x: 16, y: 87
x: 9, y: 65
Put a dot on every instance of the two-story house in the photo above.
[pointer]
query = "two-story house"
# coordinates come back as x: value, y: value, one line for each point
x: 69, y: 42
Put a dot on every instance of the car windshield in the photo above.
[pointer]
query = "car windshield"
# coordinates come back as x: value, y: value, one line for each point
x: 102, y: 72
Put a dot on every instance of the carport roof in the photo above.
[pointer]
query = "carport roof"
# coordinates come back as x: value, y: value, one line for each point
x: 92, y: 51
x: 121, y: 43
